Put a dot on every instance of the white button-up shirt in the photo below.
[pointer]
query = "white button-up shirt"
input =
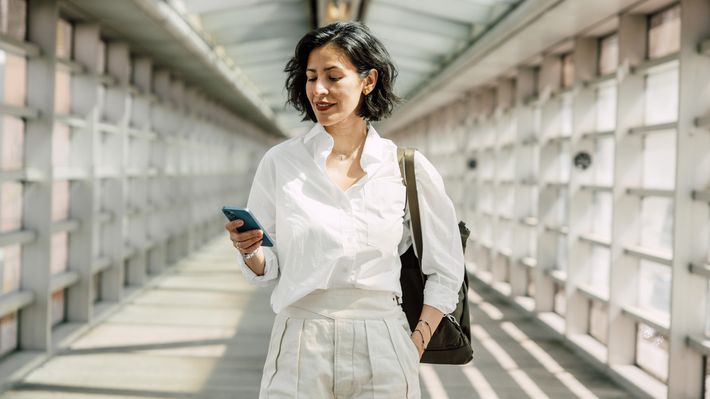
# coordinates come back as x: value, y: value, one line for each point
x: 325, y: 237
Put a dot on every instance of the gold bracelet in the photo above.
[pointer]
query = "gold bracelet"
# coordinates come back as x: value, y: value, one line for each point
x: 422, y: 335
x: 427, y: 326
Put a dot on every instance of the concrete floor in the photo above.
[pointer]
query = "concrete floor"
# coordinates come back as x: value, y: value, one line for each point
x: 200, y: 331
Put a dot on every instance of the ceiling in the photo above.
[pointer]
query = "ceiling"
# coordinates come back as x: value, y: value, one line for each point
x: 259, y: 36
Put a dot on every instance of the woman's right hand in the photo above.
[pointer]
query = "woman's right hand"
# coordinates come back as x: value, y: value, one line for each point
x: 245, y: 242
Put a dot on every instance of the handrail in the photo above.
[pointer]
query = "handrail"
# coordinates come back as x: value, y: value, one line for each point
x: 654, y: 62
x: 661, y: 257
x: 595, y: 239
x: 14, y: 301
x: 657, y: 127
x: 63, y: 280
x: 593, y: 293
x: 657, y: 322
x: 19, y: 111
x: 650, y: 192
x: 700, y: 270
x: 20, y: 237
x: 68, y: 225
x: 101, y: 264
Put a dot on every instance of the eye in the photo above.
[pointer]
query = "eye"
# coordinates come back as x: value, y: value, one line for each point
x: 311, y: 79
x: 334, y: 79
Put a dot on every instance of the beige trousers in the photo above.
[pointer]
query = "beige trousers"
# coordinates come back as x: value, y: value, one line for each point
x: 341, y: 343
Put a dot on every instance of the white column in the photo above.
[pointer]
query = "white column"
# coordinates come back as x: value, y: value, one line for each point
x: 116, y: 112
x: 623, y: 274
x: 580, y: 201
x: 692, y: 218
x: 35, y: 320
x: 524, y: 168
x: 82, y: 195
x: 549, y: 81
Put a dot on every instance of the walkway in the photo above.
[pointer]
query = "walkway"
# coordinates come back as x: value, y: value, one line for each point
x: 200, y: 331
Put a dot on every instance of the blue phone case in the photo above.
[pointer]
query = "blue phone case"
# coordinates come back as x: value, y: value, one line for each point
x: 250, y: 222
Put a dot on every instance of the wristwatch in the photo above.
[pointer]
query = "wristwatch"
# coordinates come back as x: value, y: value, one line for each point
x: 249, y: 255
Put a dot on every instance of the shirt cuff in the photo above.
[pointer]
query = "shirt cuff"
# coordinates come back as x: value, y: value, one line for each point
x: 440, y: 296
x: 271, y: 269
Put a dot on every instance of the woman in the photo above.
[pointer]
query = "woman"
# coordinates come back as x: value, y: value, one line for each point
x: 333, y: 201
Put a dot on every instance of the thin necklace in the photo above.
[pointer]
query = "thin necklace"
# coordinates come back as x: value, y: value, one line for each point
x: 342, y: 156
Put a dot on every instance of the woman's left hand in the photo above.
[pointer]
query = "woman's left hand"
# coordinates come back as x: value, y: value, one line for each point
x: 417, y: 341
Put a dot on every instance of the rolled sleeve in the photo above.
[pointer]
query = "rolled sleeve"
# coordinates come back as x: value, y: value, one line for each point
x: 442, y: 260
x: 271, y: 269
x: 262, y: 204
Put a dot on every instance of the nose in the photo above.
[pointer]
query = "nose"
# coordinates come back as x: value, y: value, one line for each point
x: 320, y: 88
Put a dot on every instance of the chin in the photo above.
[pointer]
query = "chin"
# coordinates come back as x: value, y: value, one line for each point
x: 329, y: 120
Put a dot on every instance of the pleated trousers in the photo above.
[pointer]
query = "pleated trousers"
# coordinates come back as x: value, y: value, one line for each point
x: 341, y: 343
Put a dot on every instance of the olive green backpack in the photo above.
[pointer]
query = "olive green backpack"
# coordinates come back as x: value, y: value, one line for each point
x: 451, y: 342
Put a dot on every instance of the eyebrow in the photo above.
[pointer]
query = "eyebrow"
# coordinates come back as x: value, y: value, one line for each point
x: 327, y: 69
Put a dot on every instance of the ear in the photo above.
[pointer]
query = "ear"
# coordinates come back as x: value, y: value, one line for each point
x: 368, y: 84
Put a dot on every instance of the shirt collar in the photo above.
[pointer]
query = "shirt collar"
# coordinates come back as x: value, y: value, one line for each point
x: 320, y: 143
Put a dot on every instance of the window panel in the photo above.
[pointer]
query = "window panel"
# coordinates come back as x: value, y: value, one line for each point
x: 13, y: 143
x: 537, y: 121
x: 12, y: 256
x: 657, y: 223
x: 10, y: 206
x: 598, y: 321
x: 661, y: 98
x: 504, y: 232
x: 567, y: 70
x: 96, y: 293
x: 564, y: 161
x: 62, y: 91
x: 8, y: 334
x: 561, y: 263
x: 13, y: 18
x: 13, y: 79
x: 504, y: 205
x: 659, y: 159
x: 60, y: 200
x: 603, y: 164
x: 606, y: 107
x: 64, y: 39
x: 608, y: 54
x: 532, y: 242
x: 560, y: 301
x: 599, y: 268
x: 562, y: 212
x: 566, y: 114
x: 101, y: 58
x: 654, y: 289
x: 664, y: 32
x: 60, y: 252
x: 602, y: 204
x: 58, y: 307
x: 61, y: 139
x: 652, y: 352
x: 530, y: 289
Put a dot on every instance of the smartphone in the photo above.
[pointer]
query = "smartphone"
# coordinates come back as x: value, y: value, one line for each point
x: 250, y: 222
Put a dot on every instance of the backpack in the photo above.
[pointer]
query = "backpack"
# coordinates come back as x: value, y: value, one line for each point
x: 451, y: 342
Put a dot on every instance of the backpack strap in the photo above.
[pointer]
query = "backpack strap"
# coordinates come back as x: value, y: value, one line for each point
x: 405, y: 156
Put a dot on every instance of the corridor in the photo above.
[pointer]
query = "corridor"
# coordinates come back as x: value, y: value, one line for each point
x: 200, y: 331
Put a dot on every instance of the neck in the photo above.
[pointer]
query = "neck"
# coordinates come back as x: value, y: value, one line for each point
x: 348, y: 135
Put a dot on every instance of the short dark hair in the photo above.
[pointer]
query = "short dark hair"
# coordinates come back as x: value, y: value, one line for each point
x: 365, y: 51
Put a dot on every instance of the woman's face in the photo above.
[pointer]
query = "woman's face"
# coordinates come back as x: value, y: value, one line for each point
x: 334, y: 87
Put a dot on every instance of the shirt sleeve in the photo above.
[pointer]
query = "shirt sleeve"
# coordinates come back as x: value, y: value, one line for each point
x: 261, y: 204
x: 443, y: 259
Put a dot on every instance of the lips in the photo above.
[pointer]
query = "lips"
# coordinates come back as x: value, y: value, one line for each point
x: 322, y: 106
